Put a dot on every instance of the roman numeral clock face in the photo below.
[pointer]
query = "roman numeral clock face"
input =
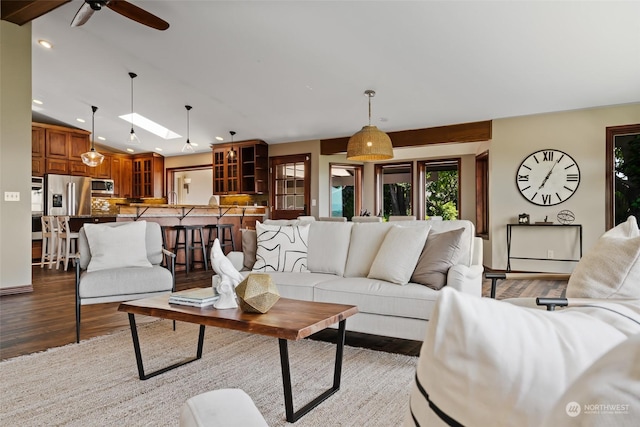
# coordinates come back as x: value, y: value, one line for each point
x: 548, y: 177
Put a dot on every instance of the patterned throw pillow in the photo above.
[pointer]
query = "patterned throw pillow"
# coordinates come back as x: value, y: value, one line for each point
x: 281, y: 248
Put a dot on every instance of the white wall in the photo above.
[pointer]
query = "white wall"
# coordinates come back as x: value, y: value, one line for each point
x: 15, y: 154
x: 200, y: 189
x: 580, y: 134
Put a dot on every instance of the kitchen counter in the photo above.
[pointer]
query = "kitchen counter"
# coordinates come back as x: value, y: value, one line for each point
x: 141, y: 210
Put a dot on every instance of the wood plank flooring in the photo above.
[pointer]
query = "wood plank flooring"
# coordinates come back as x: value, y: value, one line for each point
x: 45, y: 318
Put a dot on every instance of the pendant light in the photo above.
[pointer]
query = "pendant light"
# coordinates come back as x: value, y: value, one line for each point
x: 187, y: 147
x: 92, y: 158
x: 133, y: 138
x: 369, y: 143
x: 231, y: 155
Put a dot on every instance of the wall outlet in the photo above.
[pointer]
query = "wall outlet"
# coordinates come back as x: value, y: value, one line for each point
x: 11, y: 196
x: 549, y: 254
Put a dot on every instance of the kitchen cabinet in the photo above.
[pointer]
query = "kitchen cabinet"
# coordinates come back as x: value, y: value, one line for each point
x: 56, y: 144
x: 103, y: 170
x: 78, y: 144
x: 246, y: 173
x: 77, y: 168
x: 56, y: 166
x: 148, y: 175
x: 121, y: 173
x: 37, y: 151
x: 58, y: 149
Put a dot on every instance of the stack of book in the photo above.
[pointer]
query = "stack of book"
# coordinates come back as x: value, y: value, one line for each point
x: 197, y: 297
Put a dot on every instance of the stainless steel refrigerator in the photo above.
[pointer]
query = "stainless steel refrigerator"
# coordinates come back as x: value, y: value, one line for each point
x: 68, y: 195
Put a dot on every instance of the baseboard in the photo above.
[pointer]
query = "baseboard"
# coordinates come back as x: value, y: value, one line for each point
x: 16, y: 290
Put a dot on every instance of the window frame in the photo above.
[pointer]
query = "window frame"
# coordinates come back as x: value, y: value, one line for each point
x: 358, y: 185
x: 482, y: 195
x: 379, y: 167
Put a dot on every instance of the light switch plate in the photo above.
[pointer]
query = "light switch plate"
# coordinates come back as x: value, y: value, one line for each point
x: 11, y: 196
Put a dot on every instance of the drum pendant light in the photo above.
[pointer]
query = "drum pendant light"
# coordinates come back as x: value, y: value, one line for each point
x: 231, y: 154
x: 187, y: 147
x: 92, y: 158
x: 133, y: 138
x: 369, y: 143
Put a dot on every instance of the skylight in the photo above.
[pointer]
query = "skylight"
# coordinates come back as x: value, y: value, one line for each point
x: 150, y: 126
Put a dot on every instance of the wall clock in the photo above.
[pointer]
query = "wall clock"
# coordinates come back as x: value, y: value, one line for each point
x: 548, y: 177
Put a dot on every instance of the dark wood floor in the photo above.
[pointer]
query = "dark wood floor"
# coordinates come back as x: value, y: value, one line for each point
x: 45, y: 318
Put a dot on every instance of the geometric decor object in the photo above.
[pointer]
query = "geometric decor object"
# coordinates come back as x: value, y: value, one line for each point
x: 257, y: 293
x: 370, y: 143
x: 566, y: 217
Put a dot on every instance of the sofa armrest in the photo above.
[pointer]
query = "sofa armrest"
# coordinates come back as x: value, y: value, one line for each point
x: 466, y: 279
x: 237, y: 259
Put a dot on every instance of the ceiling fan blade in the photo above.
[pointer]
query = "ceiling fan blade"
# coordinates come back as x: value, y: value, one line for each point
x: 82, y: 15
x: 132, y: 11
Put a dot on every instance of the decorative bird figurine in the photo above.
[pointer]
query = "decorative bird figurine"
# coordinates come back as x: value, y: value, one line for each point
x: 223, y: 267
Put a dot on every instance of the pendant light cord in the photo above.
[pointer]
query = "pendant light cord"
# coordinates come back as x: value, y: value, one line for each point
x: 93, y: 127
x: 133, y: 76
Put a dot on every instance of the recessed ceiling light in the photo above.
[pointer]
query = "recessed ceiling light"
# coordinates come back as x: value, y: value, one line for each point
x: 158, y: 149
x: 130, y: 150
x: 37, y: 101
x: 80, y: 120
x: 102, y: 138
x: 149, y: 125
x: 219, y: 138
x: 45, y: 44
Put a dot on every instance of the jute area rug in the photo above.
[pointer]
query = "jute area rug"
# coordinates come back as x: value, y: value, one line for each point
x: 95, y: 383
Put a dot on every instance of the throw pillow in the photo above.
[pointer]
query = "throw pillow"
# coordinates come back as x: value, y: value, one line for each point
x: 281, y: 248
x: 328, y: 246
x: 611, y: 269
x: 366, y: 239
x: 397, y: 257
x: 441, y: 251
x: 117, y: 246
x: 608, y: 393
x: 488, y: 362
x: 248, y: 247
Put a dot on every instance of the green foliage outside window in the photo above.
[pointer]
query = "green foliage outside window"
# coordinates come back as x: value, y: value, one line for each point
x: 627, y: 180
x: 441, y: 195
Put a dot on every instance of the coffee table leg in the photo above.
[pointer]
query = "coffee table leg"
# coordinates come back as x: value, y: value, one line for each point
x: 293, y: 416
x: 136, y: 349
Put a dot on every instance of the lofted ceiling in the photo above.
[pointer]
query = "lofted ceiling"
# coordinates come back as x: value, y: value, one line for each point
x: 286, y: 71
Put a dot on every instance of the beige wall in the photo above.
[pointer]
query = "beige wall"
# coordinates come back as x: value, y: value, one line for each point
x: 15, y: 154
x: 580, y: 134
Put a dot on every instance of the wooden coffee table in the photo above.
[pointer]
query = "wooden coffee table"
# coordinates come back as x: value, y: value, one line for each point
x: 287, y: 320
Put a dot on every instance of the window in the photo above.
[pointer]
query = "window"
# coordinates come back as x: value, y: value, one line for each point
x: 346, y: 190
x: 482, y: 195
x: 393, y: 189
x: 290, y: 186
x: 623, y: 174
x: 440, y: 183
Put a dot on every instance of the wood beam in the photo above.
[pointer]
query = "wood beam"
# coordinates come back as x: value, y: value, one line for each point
x: 22, y: 11
x: 465, y: 132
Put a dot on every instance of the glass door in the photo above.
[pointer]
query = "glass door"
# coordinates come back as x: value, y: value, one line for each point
x: 290, y: 183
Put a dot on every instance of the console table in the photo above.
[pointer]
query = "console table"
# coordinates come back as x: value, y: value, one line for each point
x: 578, y: 227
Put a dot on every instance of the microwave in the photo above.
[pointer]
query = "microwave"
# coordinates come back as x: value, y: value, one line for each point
x: 102, y: 186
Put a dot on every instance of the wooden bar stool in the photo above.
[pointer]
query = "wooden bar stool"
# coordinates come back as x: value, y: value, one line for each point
x: 195, y: 242
x: 66, y: 243
x: 49, y: 240
x: 225, y: 235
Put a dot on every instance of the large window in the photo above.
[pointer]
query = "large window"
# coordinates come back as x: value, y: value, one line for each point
x: 440, y: 181
x: 346, y: 190
x: 393, y: 189
x: 623, y: 173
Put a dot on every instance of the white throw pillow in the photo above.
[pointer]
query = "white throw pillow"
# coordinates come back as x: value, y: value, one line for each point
x: 611, y: 269
x: 397, y: 257
x: 328, y: 246
x: 486, y: 362
x: 366, y: 239
x: 281, y: 248
x: 117, y: 247
x: 607, y: 394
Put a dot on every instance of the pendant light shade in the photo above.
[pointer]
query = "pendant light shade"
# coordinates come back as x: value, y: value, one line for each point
x: 133, y: 138
x: 187, y: 147
x: 232, y: 154
x: 370, y: 143
x: 92, y: 158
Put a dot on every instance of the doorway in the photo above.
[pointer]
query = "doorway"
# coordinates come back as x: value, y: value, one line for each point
x: 290, y: 186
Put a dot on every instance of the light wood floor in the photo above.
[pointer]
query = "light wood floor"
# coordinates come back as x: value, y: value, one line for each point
x: 45, y: 318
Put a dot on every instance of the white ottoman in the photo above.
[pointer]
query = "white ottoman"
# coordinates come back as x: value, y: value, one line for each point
x: 222, y: 408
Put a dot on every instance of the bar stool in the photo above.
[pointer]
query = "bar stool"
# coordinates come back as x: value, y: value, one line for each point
x: 193, y: 245
x: 49, y: 240
x: 66, y: 243
x: 224, y: 232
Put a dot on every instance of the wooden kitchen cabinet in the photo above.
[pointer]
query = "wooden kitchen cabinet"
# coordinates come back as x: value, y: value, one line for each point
x: 103, y: 170
x: 56, y: 144
x: 56, y: 166
x: 78, y: 145
x: 148, y: 175
x: 121, y: 173
x: 246, y: 173
x: 58, y: 149
x: 77, y: 168
x: 37, y: 151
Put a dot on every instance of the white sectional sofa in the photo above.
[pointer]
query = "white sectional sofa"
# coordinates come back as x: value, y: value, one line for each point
x: 342, y: 260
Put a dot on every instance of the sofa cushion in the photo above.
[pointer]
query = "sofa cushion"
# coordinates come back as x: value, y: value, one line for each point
x: 611, y: 269
x: 249, y: 247
x: 440, y: 252
x: 328, y: 246
x: 366, y: 239
x: 513, y: 363
x: 613, y: 381
x: 281, y: 248
x: 398, y: 255
x: 116, y: 247
x: 297, y: 285
x: 378, y: 296
x: 125, y: 281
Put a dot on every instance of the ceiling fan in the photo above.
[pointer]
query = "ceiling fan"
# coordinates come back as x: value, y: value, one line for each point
x: 122, y: 7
